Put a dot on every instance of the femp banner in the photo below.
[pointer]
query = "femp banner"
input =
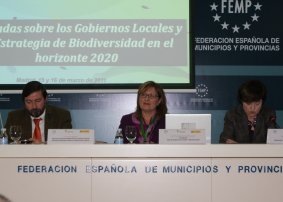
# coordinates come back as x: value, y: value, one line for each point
x: 238, y: 32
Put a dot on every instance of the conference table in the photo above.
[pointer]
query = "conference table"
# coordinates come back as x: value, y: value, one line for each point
x: 139, y: 173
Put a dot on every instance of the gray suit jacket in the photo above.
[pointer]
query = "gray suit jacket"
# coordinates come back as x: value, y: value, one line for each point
x: 236, y: 125
x: 55, y: 118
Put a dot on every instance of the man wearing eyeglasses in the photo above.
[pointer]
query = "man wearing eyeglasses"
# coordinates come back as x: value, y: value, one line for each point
x: 37, y: 116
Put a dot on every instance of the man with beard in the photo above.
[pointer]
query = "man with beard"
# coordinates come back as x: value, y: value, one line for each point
x: 37, y: 116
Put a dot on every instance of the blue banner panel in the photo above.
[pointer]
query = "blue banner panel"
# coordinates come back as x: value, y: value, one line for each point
x: 220, y: 92
x: 238, y: 32
x: 212, y: 93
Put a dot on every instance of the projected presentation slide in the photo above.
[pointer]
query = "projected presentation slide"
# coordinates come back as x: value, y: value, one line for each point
x: 113, y: 43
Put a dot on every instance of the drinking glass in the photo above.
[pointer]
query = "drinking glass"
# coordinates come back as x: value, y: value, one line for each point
x: 131, y: 133
x: 15, y: 133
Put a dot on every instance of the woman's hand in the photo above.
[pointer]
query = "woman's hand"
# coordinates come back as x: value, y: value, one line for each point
x: 230, y: 141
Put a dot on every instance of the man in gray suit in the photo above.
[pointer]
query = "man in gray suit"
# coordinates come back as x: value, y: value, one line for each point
x: 34, y: 97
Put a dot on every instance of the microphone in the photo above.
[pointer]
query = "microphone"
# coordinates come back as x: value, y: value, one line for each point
x: 2, y: 126
x: 272, y: 122
x: 35, y: 112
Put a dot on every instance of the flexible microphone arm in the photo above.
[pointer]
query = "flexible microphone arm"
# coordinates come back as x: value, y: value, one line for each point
x: 272, y: 122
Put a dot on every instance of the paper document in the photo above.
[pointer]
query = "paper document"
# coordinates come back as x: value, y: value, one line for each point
x: 70, y: 136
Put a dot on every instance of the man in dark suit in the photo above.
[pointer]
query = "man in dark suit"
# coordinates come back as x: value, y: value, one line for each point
x: 34, y: 97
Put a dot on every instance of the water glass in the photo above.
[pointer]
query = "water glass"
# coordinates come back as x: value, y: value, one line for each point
x: 131, y: 133
x: 15, y: 133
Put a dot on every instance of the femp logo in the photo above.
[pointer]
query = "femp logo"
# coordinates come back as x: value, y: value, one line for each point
x: 236, y: 15
x: 201, y: 90
x: 201, y: 95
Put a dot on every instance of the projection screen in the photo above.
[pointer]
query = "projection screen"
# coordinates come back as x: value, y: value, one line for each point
x: 96, y: 44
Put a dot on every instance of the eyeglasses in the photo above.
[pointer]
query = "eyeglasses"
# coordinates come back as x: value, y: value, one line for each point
x: 149, y: 96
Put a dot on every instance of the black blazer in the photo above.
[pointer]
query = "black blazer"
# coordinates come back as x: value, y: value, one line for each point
x: 236, y: 125
x: 55, y: 118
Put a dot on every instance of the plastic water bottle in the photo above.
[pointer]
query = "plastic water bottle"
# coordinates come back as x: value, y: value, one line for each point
x: 3, y: 136
x: 119, y: 137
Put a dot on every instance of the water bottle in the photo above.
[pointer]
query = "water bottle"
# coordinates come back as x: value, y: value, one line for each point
x: 119, y: 137
x: 3, y: 136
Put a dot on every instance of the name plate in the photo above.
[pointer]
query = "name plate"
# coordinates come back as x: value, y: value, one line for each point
x: 274, y: 136
x: 70, y: 136
x: 182, y: 136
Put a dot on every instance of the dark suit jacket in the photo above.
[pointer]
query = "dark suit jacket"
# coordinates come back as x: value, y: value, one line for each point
x: 55, y: 118
x: 236, y: 125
